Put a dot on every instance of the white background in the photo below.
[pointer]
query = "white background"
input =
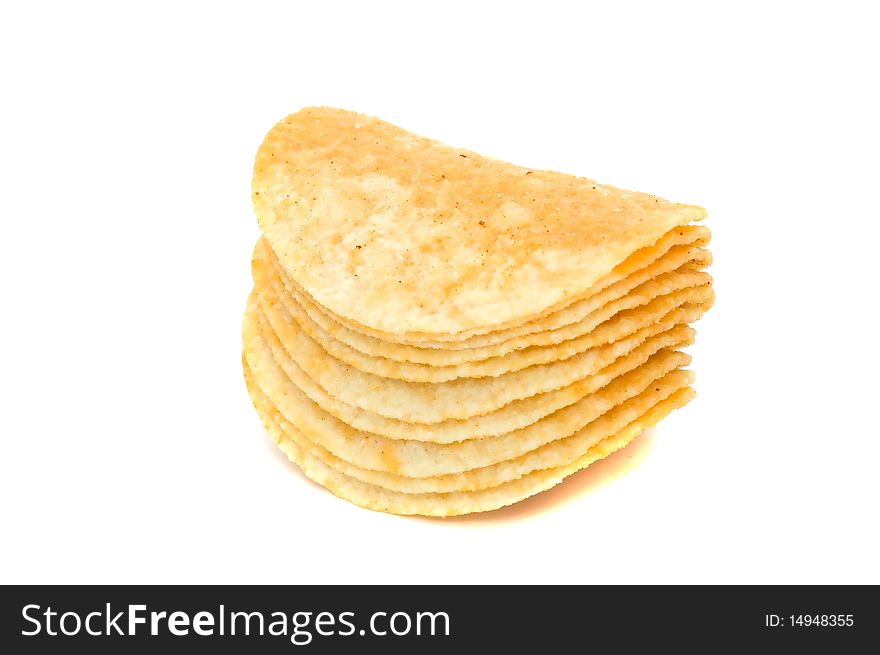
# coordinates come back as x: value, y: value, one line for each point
x: 130, y: 451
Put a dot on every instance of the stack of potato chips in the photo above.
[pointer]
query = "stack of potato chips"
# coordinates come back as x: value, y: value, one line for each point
x: 435, y: 332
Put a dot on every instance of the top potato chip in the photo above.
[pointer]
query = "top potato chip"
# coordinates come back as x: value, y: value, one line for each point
x: 408, y: 237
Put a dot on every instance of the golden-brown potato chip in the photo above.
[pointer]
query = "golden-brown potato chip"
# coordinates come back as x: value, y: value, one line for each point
x: 680, y: 248
x: 455, y: 245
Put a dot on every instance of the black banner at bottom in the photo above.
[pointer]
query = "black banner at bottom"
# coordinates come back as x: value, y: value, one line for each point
x: 335, y: 619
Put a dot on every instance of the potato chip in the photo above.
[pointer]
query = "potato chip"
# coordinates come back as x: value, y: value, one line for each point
x: 454, y: 246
